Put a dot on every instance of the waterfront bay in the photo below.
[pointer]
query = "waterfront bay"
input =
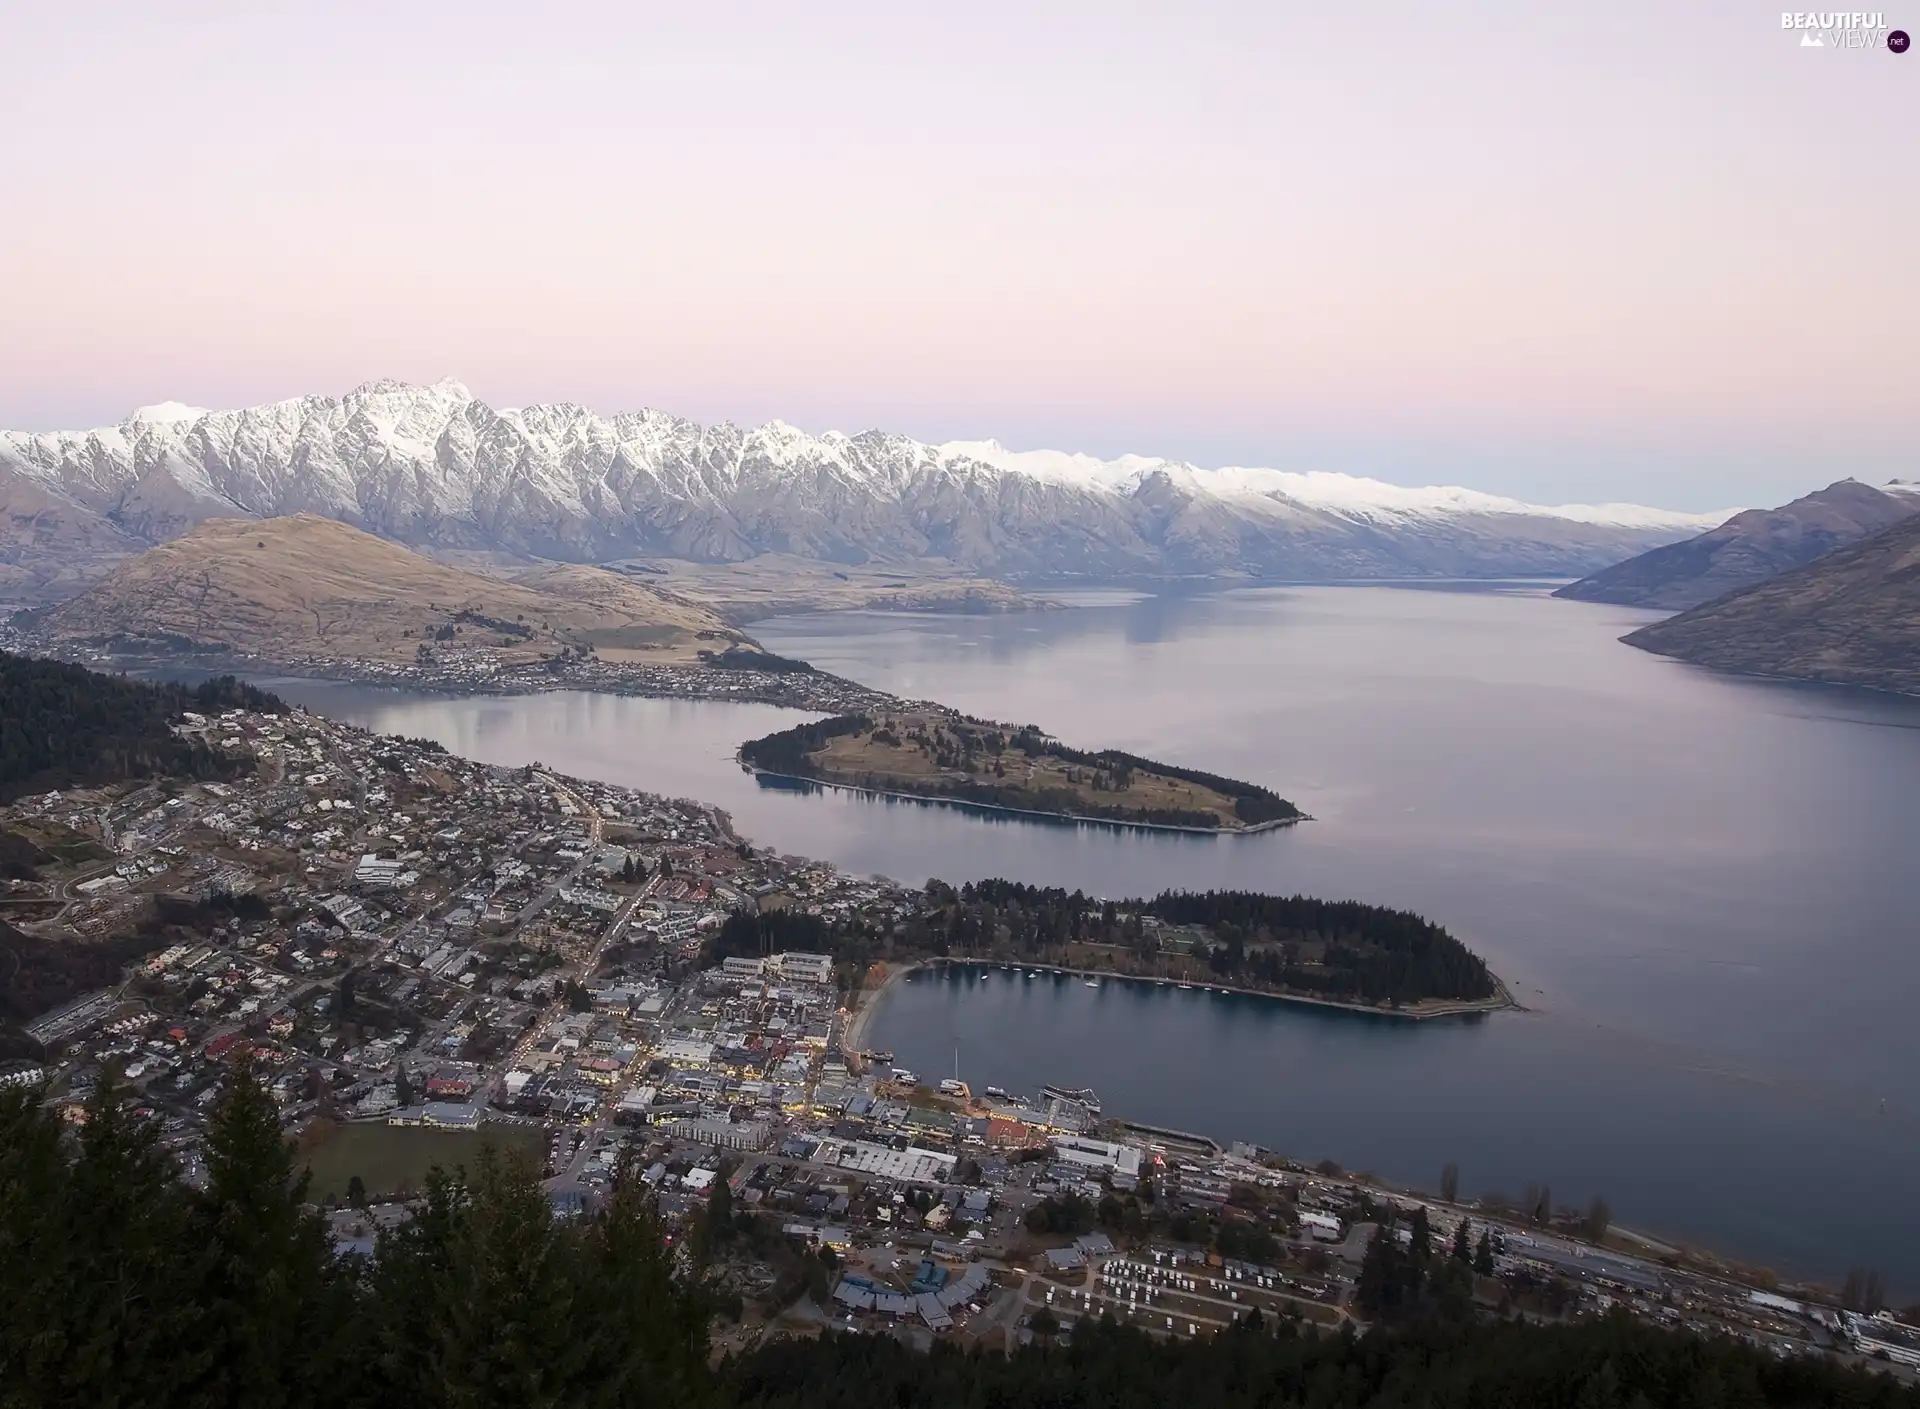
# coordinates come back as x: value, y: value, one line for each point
x: 1699, y: 886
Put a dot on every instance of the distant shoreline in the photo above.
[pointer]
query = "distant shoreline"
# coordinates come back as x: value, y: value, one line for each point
x: 967, y: 804
x: 814, y: 692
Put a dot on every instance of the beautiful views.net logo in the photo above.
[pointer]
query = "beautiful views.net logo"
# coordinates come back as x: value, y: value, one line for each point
x: 1856, y: 29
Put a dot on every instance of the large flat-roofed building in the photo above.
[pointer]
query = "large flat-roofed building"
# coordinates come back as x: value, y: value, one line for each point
x: 912, y: 1165
x: 802, y: 967
x: 1105, y: 1155
x: 1884, y: 1338
x: 686, y: 1052
x: 376, y: 871
x: 722, y: 1134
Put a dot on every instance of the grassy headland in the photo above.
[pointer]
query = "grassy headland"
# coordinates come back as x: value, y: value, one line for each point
x: 931, y: 754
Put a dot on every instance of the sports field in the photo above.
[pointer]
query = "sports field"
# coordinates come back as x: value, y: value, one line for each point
x: 394, y: 1159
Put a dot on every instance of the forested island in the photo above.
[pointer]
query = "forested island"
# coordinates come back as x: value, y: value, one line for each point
x: 1343, y: 951
x: 927, y: 753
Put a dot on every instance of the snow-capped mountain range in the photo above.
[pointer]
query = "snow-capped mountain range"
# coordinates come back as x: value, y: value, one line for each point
x: 434, y: 467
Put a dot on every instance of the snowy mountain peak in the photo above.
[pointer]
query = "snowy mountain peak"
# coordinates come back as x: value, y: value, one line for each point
x: 166, y: 413
x: 433, y: 466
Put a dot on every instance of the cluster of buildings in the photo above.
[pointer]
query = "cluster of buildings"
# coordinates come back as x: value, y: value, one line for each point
x: 394, y: 936
x: 472, y: 667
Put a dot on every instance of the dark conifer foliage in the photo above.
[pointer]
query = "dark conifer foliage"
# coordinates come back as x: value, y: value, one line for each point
x: 125, y: 1287
x: 1365, y: 952
x: 1606, y: 1364
x: 63, y: 726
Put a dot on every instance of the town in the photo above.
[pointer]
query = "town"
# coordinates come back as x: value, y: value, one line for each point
x: 747, y: 676
x: 421, y: 955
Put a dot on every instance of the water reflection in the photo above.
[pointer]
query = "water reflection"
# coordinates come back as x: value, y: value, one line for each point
x: 1700, y: 885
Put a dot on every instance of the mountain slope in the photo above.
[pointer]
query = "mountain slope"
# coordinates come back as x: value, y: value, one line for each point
x: 1749, y: 548
x: 306, y: 587
x: 435, y: 467
x: 1851, y: 618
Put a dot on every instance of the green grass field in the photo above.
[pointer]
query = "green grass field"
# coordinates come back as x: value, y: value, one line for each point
x: 394, y: 1159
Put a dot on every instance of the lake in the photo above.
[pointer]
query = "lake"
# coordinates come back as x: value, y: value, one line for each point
x: 1701, y: 887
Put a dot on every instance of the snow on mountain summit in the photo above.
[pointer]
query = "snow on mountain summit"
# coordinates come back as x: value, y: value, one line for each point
x: 166, y: 413
x: 434, y: 466
x: 1320, y: 489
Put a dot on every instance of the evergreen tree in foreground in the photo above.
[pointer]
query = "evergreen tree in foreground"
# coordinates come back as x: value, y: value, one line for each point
x: 122, y: 1288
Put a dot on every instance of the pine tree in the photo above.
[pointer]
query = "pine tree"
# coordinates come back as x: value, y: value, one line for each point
x: 35, y: 1310
x: 1462, y: 1242
x: 645, y: 1336
x: 408, y: 1285
x: 1374, y: 1289
x: 512, y: 1300
x: 1483, y: 1254
x: 126, y: 1229
x: 1422, y: 1245
x: 715, y: 1228
x: 263, y: 1263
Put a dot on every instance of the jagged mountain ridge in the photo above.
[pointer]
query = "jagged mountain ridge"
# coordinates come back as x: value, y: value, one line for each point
x: 435, y: 467
x: 1750, y: 547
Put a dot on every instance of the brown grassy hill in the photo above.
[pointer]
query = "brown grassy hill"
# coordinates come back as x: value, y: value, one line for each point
x: 302, y: 587
x: 1850, y: 618
x: 1749, y: 548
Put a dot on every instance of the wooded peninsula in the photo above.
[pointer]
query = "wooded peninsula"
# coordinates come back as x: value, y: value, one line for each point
x: 927, y: 753
x: 1342, y: 952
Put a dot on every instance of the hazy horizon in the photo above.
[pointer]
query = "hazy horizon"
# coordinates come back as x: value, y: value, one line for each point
x: 1628, y: 255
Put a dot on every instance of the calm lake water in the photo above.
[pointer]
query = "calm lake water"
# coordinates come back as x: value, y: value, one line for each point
x: 1703, y: 888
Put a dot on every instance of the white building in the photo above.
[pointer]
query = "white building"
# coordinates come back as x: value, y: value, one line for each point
x: 376, y: 871
x: 799, y: 966
x: 722, y: 1134
x: 684, y: 1052
x: 601, y: 900
x: 1883, y: 1337
x: 1098, y: 1155
x: 1323, y: 1226
x: 912, y: 1165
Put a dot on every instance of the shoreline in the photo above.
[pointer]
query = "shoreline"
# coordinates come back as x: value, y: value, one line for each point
x: 966, y: 804
x: 866, y: 1001
x: 853, y: 1036
x: 707, y: 684
x: 1502, y: 1001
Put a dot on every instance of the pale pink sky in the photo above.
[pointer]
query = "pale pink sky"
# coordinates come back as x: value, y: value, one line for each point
x: 1632, y: 250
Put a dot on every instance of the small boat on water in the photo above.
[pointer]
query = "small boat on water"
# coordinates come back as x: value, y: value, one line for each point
x: 1093, y: 983
x: 1186, y: 985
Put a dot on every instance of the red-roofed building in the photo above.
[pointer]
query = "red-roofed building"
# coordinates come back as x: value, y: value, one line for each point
x: 232, y: 1044
x: 1001, y: 1131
